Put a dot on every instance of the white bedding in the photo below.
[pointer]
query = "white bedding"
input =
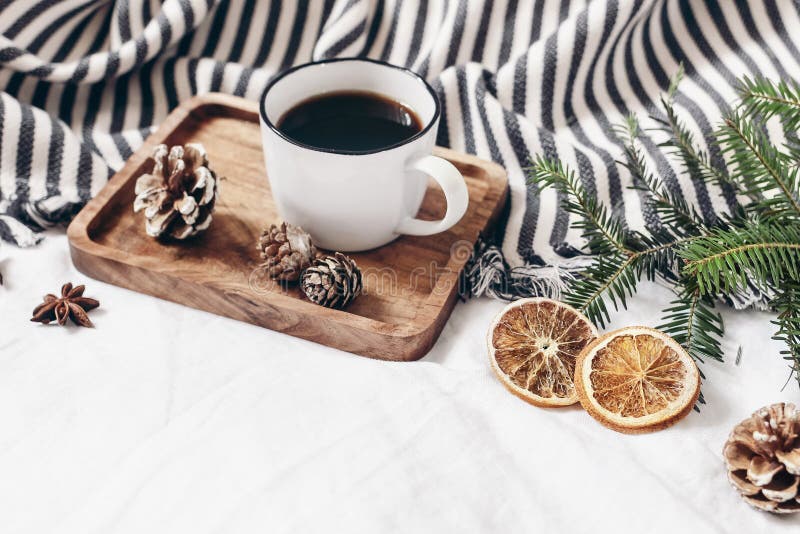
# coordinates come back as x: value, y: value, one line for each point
x: 167, y: 419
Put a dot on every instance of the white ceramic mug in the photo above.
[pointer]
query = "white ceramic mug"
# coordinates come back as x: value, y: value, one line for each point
x: 351, y: 201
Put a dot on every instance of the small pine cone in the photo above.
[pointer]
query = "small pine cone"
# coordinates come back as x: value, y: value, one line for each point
x: 762, y: 455
x: 333, y: 281
x: 178, y: 197
x: 287, y: 250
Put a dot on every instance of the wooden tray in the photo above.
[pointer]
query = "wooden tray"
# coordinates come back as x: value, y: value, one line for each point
x: 410, y: 284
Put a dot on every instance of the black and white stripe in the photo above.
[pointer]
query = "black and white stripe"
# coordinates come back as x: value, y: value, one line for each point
x: 85, y: 81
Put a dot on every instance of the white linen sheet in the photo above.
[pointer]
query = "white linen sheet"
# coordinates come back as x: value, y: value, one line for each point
x: 167, y: 419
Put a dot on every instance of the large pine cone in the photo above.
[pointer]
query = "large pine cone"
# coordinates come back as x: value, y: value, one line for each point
x: 763, y: 458
x: 333, y: 281
x: 287, y: 250
x: 179, y: 196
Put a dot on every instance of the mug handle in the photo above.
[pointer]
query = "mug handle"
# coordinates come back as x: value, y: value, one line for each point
x: 455, y: 192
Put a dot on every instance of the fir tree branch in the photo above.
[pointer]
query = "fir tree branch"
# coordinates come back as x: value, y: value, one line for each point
x: 761, y: 170
x: 622, y: 256
x: 695, y: 161
x: 673, y: 210
x: 610, y: 276
x: 658, y: 254
x: 727, y: 259
x: 675, y: 82
x: 603, y: 231
x: 787, y: 304
x: 757, y: 247
x: 615, y: 278
x: 766, y: 99
x: 691, y: 321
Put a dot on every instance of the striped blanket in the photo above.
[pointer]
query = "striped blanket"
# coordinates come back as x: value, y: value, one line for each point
x: 85, y: 81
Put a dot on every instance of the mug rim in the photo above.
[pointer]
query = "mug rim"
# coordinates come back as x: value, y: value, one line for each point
x: 287, y: 72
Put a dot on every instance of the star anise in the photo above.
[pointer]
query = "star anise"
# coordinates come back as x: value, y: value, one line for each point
x: 71, y: 304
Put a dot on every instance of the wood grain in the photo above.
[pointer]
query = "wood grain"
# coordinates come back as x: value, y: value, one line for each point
x: 410, y: 284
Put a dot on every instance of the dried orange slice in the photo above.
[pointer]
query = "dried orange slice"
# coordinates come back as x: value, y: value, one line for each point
x: 636, y: 380
x: 533, y: 344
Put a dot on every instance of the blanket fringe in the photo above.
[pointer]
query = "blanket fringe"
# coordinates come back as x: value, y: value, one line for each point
x: 22, y: 222
x: 487, y: 273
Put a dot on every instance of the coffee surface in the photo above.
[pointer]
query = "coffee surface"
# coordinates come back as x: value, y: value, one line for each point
x: 350, y: 121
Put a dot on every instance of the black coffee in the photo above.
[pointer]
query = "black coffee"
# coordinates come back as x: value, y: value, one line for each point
x: 351, y: 121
